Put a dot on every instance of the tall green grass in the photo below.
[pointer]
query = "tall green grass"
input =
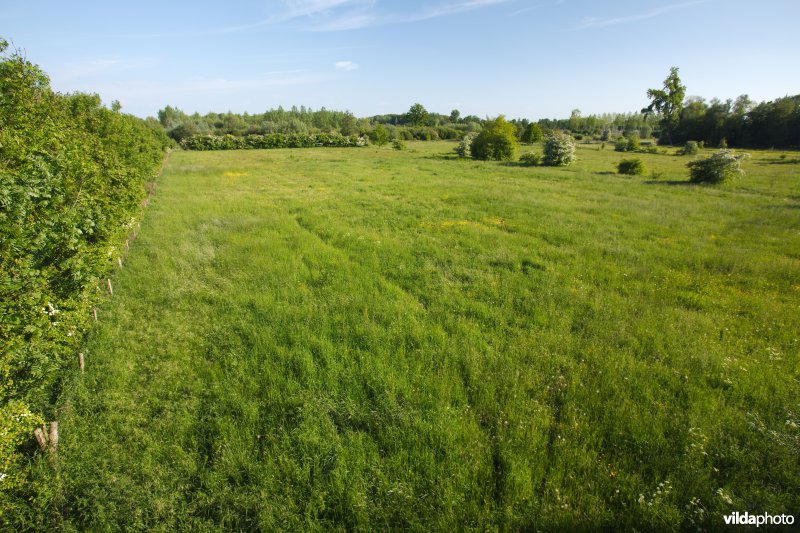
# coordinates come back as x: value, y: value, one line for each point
x: 371, y: 339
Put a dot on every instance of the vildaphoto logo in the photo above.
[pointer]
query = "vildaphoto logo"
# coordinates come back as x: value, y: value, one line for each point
x: 747, y: 519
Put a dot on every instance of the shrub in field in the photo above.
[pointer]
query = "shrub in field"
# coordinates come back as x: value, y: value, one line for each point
x: 497, y: 141
x: 463, y: 148
x: 690, y: 148
x: 272, y: 140
x: 399, y: 144
x: 720, y: 167
x: 627, y: 144
x: 559, y: 150
x: 379, y: 135
x: 531, y: 159
x: 72, y: 174
x: 632, y: 167
x: 532, y: 134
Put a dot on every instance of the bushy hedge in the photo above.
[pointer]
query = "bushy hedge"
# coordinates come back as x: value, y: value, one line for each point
x: 631, y: 167
x: 720, y: 167
x: 72, y: 176
x: 464, y: 146
x: 628, y: 144
x: 559, y: 150
x: 273, y: 140
x: 497, y: 141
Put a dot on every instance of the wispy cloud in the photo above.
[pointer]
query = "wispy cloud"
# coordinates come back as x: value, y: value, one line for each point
x: 340, y: 15
x: 594, y: 22
x: 346, y: 66
x: 535, y: 7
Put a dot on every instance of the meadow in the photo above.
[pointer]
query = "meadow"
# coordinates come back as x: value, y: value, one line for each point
x: 363, y: 338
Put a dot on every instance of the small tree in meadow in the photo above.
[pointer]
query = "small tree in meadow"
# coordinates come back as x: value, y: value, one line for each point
x: 559, y: 150
x: 497, y: 141
x: 463, y: 148
x: 720, y: 167
x: 379, y: 135
x: 532, y: 134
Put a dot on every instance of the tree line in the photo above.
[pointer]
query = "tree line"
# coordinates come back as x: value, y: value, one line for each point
x: 671, y: 118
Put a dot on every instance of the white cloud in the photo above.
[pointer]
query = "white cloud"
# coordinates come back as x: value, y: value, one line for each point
x: 594, y: 22
x: 346, y: 66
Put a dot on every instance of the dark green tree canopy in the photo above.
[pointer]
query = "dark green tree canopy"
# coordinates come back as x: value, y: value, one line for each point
x: 417, y: 115
x: 667, y: 104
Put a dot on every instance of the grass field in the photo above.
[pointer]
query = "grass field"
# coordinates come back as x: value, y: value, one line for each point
x: 370, y: 339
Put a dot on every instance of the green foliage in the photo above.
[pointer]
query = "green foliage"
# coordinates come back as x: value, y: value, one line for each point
x: 531, y: 159
x: 497, y: 141
x: 559, y: 150
x: 274, y: 140
x: 690, y: 148
x: 464, y: 146
x: 667, y: 103
x: 417, y: 115
x: 72, y: 174
x: 628, y: 144
x: 379, y: 136
x: 398, y: 144
x: 720, y: 167
x: 631, y: 167
x: 532, y: 133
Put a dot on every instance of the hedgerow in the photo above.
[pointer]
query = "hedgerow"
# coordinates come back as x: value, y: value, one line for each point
x: 272, y: 140
x: 72, y: 175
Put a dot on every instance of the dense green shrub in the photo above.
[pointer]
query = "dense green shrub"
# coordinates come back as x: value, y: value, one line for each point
x: 273, y: 140
x: 532, y: 134
x: 379, y: 135
x: 559, y: 150
x: 497, y: 141
x: 531, y: 159
x: 720, y: 167
x: 628, y: 144
x: 690, y: 148
x: 72, y: 175
x: 631, y: 167
x: 399, y: 144
x: 463, y: 148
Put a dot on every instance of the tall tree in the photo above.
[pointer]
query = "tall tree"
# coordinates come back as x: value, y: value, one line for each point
x: 667, y: 103
x: 417, y: 115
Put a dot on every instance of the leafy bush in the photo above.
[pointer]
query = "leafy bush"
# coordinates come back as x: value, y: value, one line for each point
x: 690, y: 148
x: 627, y: 144
x: 531, y: 159
x: 463, y: 148
x: 399, y: 144
x: 272, y: 140
x: 720, y: 167
x: 497, y: 141
x: 379, y: 135
x: 631, y: 167
x: 532, y: 134
x: 72, y: 175
x: 559, y: 150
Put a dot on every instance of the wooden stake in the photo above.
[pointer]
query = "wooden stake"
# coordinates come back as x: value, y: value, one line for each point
x: 94, y: 312
x: 110, y: 288
x: 40, y: 438
x: 80, y: 361
x: 53, y: 437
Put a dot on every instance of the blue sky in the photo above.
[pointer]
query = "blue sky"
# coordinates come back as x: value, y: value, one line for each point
x: 522, y: 58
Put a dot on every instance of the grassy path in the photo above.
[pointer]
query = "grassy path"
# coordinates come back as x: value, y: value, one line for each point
x: 364, y: 339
